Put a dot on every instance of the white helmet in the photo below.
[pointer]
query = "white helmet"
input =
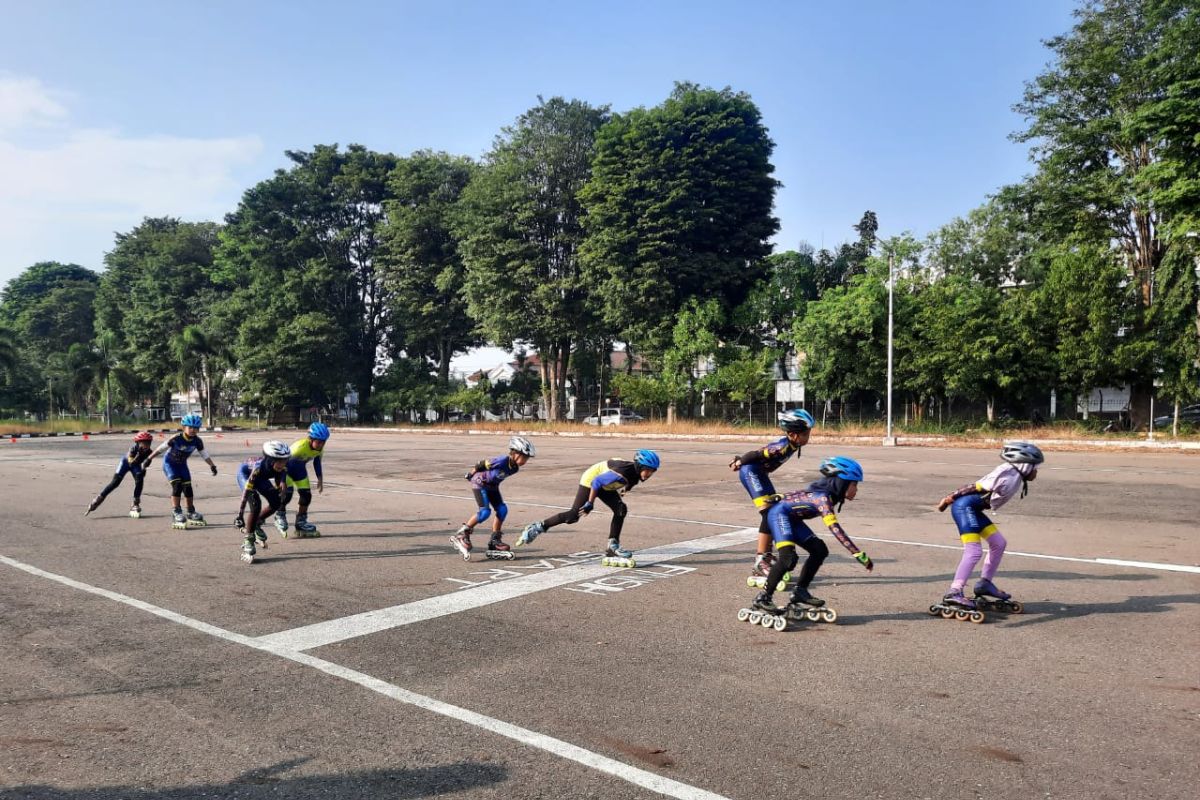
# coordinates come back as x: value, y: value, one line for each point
x: 522, y: 445
x: 276, y: 449
x: 1022, y: 453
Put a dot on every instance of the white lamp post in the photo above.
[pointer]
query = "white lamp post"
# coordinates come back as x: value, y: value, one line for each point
x: 889, y: 440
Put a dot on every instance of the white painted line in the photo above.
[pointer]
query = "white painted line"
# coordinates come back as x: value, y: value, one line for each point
x: 337, y: 630
x: 638, y: 777
x: 1116, y: 562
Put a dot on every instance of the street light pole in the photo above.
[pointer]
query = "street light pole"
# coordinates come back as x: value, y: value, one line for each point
x: 890, y: 440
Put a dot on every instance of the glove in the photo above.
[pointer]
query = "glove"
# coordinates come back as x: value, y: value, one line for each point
x: 736, y: 464
x: 946, y: 502
x: 240, y: 522
x: 469, y: 475
x: 587, y: 507
x: 865, y: 560
x: 213, y: 467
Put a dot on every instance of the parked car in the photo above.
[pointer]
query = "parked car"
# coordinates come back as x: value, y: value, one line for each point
x: 613, y: 416
x: 1188, y: 414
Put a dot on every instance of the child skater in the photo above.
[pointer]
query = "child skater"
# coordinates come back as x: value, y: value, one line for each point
x: 485, y: 478
x: 265, y: 476
x: 310, y: 448
x: 789, y: 531
x: 755, y: 467
x: 175, y: 467
x: 133, y: 463
x: 966, y: 506
x: 605, y: 481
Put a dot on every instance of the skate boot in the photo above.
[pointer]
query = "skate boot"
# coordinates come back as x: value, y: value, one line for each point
x: 261, y: 535
x: 135, y: 510
x: 281, y: 522
x: 195, y: 519
x: 804, y: 606
x: 498, y: 549
x: 763, y: 612
x: 617, y: 556
x: 178, y: 520
x: 762, y: 568
x: 305, y: 529
x: 531, y: 532
x: 462, y: 542
x: 248, y: 551
x: 989, y: 598
x: 956, y: 605
x: 92, y: 506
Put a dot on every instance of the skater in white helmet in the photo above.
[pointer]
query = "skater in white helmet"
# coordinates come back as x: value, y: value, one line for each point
x: 485, y: 478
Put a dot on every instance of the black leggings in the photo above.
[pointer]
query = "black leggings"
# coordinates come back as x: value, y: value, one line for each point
x: 139, y: 478
x: 787, y: 558
x: 571, y: 515
x: 257, y: 515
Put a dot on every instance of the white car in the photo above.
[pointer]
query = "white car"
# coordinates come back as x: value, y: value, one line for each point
x: 613, y: 416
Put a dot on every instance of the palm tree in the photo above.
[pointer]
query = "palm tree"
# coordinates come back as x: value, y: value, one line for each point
x: 195, y: 351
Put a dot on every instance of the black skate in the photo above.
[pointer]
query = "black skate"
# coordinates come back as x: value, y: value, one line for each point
x: 763, y: 612
x: 497, y: 549
x: 956, y: 605
x: 989, y: 598
x: 805, y: 606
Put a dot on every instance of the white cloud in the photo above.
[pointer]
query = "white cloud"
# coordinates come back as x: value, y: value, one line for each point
x: 65, y: 190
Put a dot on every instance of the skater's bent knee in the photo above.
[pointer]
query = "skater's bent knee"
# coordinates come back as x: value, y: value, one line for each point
x: 501, y: 512
x: 816, y: 547
x: 305, y: 496
x: 482, y: 514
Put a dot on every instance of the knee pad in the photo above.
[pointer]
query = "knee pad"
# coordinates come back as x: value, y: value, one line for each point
x: 788, y: 557
x: 620, y: 511
x: 502, y: 512
x: 482, y: 514
x: 176, y: 487
x: 187, y: 489
x: 305, y: 496
x: 816, y: 547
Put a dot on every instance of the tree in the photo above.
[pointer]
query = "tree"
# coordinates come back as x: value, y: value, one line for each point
x: 678, y: 207
x: 1175, y: 319
x: 299, y: 255
x: 50, y: 307
x: 9, y: 355
x: 777, y: 301
x: 520, y: 237
x: 1102, y: 120
x: 419, y: 257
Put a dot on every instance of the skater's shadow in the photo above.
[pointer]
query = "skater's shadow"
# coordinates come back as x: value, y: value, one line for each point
x: 851, y: 620
x: 273, y: 555
x: 270, y: 783
x: 1049, y: 611
x: 1006, y: 576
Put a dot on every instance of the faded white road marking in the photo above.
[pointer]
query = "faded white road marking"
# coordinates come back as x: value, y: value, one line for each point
x: 638, y: 777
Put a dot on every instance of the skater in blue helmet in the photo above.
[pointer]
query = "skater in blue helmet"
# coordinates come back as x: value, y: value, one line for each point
x: 264, y: 475
x: 786, y: 520
x: 755, y: 467
x: 485, y: 478
x: 605, y: 481
x: 132, y: 463
x: 1021, y: 460
x: 175, y: 467
x: 310, y: 448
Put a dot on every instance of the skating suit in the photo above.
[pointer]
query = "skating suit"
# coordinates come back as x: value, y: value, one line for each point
x: 990, y: 492
x: 258, y: 474
x: 486, y: 482
x: 786, y: 519
x: 614, y: 475
x: 297, y: 466
x: 757, y: 465
x: 134, y: 461
x: 177, y: 449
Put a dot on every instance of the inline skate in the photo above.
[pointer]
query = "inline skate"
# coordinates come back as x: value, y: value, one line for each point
x: 92, y: 506
x: 305, y: 529
x: 956, y: 605
x: 178, y: 520
x: 763, y: 612
x: 281, y: 522
x: 804, y: 606
x: 498, y: 549
x: 617, y: 556
x: 195, y: 519
x: 261, y: 536
x: 462, y: 542
x: 989, y: 598
x: 531, y: 532
x: 248, y: 551
x: 135, y: 510
x: 762, y: 568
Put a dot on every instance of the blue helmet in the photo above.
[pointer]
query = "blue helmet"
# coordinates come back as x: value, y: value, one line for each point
x: 841, y: 467
x: 648, y: 459
x: 796, y: 420
x: 191, y: 421
x: 318, y: 431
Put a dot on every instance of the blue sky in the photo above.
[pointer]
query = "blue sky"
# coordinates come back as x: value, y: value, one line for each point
x: 114, y: 111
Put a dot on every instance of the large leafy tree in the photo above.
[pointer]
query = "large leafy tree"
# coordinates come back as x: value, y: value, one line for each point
x: 50, y: 307
x: 776, y: 302
x: 521, y: 234
x: 310, y: 311
x: 679, y: 207
x: 1104, y: 122
x: 420, y: 260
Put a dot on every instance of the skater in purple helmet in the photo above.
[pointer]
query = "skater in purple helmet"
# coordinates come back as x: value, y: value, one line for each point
x: 485, y: 478
x: 1021, y: 460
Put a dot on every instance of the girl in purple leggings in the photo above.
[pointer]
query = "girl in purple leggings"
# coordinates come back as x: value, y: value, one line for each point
x: 974, y: 528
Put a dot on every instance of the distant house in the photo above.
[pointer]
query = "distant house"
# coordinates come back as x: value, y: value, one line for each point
x: 503, y: 372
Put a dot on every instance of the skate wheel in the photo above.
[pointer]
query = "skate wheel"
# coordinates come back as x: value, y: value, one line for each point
x: 933, y: 611
x: 767, y: 621
x: 782, y: 586
x: 829, y: 615
x: 947, y: 613
x: 811, y: 615
x: 781, y: 623
x: 743, y: 614
x: 756, y: 618
x: 976, y: 617
x: 1016, y: 607
x: 750, y: 582
x: 962, y: 615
